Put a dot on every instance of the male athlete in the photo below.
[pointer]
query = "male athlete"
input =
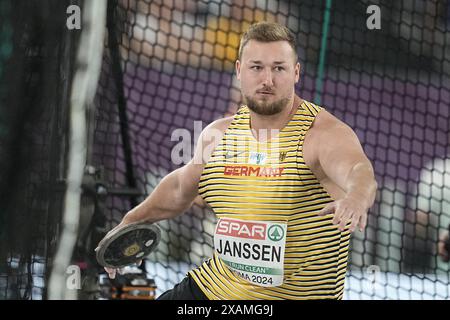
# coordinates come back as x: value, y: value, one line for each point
x: 288, y: 181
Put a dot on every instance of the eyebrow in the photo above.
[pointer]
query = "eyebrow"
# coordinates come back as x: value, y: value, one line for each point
x: 260, y: 62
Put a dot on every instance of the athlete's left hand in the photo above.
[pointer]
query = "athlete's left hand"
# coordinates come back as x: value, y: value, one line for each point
x: 345, y: 210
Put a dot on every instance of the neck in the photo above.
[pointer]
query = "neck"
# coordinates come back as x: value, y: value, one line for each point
x: 274, y: 122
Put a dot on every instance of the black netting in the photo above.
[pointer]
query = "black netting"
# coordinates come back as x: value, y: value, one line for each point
x: 35, y: 70
x: 168, y: 66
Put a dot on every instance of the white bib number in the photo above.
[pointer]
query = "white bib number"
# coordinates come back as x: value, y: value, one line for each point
x: 254, y: 250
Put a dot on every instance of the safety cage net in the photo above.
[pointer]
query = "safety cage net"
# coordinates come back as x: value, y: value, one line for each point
x: 168, y: 71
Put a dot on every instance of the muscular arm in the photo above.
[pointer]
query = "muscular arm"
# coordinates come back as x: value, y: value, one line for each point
x: 340, y: 160
x: 171, y: 197
x: 176, y: 192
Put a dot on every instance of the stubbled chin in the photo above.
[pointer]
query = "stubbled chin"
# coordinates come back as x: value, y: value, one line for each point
x: 264, y: 98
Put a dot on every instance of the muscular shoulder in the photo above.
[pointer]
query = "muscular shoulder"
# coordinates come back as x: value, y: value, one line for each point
x: 215, y: 130
x: 326, y: 129
x: 219, y: 124
x: 325, y: 122
x: 211, y: 137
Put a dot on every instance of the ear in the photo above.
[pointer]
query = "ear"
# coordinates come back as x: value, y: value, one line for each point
x: 297, y: 71
x: 238, y: 70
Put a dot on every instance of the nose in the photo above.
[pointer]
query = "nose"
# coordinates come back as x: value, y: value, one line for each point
x: 268, y: 78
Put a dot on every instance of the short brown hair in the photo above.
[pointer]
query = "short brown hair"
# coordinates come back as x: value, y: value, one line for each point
x: 267, y: 32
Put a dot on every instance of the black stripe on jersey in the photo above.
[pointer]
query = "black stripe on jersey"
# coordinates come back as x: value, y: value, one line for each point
x: 265, y: 195
x: 264, y: 201
x: 312, y: 108
x: 267, y: 188
x: 330, y: 281
x: 335, y: 265
x: 210, y: 265
x: 285, y: 175
x: 233, y: 178
x: 220, y: 167
x: 322, y: 233
x: 293, y: 248
x: 292, y: 205
x: 298, y: 220
x: 296, y: 293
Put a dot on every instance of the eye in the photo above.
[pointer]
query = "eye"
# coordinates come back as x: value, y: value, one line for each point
x: 256, y: 68
x: 278, y: 68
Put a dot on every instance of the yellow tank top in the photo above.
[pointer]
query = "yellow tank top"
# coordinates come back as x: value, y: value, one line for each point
x: 248, y: 180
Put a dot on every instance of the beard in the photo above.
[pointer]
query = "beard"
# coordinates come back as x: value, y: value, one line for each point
x: 265, y: 108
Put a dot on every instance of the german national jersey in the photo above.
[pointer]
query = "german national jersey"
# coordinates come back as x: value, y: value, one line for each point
x: 269, y: 242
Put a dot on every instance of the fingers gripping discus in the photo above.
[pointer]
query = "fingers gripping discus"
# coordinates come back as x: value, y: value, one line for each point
x: 128, y: 245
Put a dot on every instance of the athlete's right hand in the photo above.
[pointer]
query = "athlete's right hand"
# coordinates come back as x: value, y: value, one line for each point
x: 113, y: 271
